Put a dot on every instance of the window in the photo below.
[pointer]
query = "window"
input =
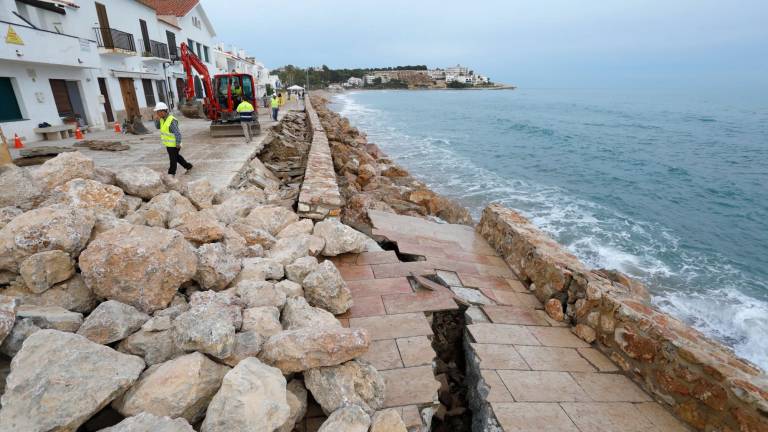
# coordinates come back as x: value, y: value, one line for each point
x: 149, y: 94
x: 199, y: 50
x: 9, y: 109
x: 171, y: 37
x: 196, y: 22
x: 205, y: 54
x: 161, y: 91
x: 191, y: 45
x: 247, y: 87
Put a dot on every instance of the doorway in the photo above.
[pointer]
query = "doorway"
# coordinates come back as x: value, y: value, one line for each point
x: 107, y: 103
x: 129, y: 98
x: 180, y: 91
x: 69, y: 104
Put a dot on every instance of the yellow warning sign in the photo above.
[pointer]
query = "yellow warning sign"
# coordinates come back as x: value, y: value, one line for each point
x: 12, y: 37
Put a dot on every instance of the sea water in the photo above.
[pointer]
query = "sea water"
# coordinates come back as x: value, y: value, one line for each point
x: 671, y: 188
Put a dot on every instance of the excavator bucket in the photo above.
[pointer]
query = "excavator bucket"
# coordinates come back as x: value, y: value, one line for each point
x: 233, y: 129
x: 192, y: 109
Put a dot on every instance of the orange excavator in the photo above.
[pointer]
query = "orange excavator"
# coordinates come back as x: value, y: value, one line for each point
x: 222, y: 95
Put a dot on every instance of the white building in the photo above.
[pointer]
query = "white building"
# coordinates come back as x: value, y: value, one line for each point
x: 464, y: 79
x: 370, y: 79
x: 436, y: 74
x: 238, y: 61
x: 457, y: 70
x: 355, y: 82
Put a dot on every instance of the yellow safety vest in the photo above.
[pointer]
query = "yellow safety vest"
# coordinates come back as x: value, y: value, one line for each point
x: 244, y: 106
x: 168, y: 138
x: 275, y: 103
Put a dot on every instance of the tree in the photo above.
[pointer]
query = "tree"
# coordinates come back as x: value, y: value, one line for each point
x: 269, y: 90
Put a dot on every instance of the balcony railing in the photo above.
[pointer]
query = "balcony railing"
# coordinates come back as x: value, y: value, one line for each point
x: 156, y: 49
x: 114, y: 39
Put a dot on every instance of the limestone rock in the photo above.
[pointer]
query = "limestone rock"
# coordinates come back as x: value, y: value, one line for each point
x: 271, y: 218
x: 112, y: 321
x: 254, y: 251
x: 63, y: 168
x: 290, y: 288
x: 168, y: 207
x: 307, y: 348
x: 181, y: 387
x: 158, y: 323
x: 224, y: 300
x: 352, y: 383
x: 51, y: 317
x: 140, y: 181
x: 18, y: 188
x: 90, y: 194
x: 247, y: 344
x: 554, y: 309
x: 138, y: 265
x: 178, y: 306
x: 340, y: 238
x: 262, y: 320
x: 104, y: 176
x: 387, y: 420
x: 7, y: 316
x: 146, y: 422
x: 22, y: 329
x: 216, y: 268
x: 206, y: 329
x: 259, y: 293
x: 154, y: 346
x: 298, y: 314
x: 198, y: 227
x: 297, y: 401
x: 252, y: 397
x: 8, y: 213
x: 254, y: 236
x: 288, y: 249
x: 348, y: 419
x: 71, y: 294
x: 300, y: 268
x: 324, y: 287
x: 105, y: 222
x: 261, y: 269
x: 47, y: 228
x: 239, y: 204
x: 200, y: 192
x: 59, y: 380
x: 261, y: 176
x: 235, y: 243
x: 44, y: 269
x: 585, y: 332
x: 304, y: 226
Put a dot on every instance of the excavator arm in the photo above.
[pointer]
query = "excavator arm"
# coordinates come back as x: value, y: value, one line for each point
x: 191, y: 108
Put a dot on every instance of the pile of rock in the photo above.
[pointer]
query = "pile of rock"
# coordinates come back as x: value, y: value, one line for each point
x: 177, y: 307
x: 369, y: 180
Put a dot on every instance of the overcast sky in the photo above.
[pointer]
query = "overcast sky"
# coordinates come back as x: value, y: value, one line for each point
x: 532, y: 43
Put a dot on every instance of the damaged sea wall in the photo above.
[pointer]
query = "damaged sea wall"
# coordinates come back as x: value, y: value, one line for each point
x: 701, y: 380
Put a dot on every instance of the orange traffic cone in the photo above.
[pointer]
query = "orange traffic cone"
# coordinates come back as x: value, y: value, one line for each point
x: 79, y: 134
x: 117, y: 127
x: 17, y: 142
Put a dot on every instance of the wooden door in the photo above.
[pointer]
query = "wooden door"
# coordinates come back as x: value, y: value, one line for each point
x: 106, y: 32
x: 107, y: 103
x: 181, y: 90
x: 129, y: 98
x: 61, y: 98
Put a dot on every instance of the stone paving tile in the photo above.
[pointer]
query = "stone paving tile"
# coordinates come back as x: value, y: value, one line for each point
x: 401, y: 269
x: 511, y: 298
x: 497, y: 391
x: 558, y: 337
x: 532, y: 417
x: 383, y: 355
x: 517, y: 286
x: 356, y: 272
x: 492, y: 270
x: 378, y: 287
x: 455, y: 266
x: 418, y: 302
x: 554, y: 359
x: 416, y: 351
x: 504, y: 334
x: 493, y: 356
x: 448, y: 278
x: 514, y: 315
x: 610, y: 388
x: 386, y: 257
x: 598, y: 359
x: 608, y: 417
x: 542, y: 386
x: 411, y: 417
x: 661, y: 418
x: 365, y: 307
x: 393, y: 326
x: 410, y: 386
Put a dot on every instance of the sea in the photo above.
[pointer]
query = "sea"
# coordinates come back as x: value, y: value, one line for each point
x: 670, y: 187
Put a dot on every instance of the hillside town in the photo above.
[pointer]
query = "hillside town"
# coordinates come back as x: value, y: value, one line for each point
x: 453, y: 76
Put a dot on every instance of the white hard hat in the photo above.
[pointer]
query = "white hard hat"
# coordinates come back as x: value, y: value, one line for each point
x: 161, y: 106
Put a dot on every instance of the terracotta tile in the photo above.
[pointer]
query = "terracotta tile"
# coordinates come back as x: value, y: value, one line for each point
x: 516, y: 285
x: 503, y: 334
x: 607, y: 417
x: 366, y: 307
x: 492, y: 270
x: 401, y: 269
x: 558, y: 337
x: 533, y: 417
x: 383, y: 355
x: 453, y: 265
x: 393, y: 326
x: 355, y: 272
x: 416, y: 351
x: 386, y: 257
x: 513, y: 315
x: 493, y: 356
x: 410, y: 386
x: 378, y: 287
x: 541, y: 386
x: 603, y: 387
x: 483, y: 281
x: 554, y: 359
x: 348, y: 258
x: 497, y: 391
x: 511, y: 298
x: 660, y: 417
x: 414, y: 248
x: 418, y: 302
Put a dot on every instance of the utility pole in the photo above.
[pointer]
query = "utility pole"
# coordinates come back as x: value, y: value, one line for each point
x: 307, y: 82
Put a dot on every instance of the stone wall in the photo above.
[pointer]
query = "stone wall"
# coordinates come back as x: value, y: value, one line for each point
x: 702, y: 381
x: 319, y: 195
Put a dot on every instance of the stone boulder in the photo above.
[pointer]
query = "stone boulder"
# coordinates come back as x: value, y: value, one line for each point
x: 298, y: 314
x: 200, y: 192
x: 239, y: 204
x: 260, y: 293
x: 44, y: 269
x: 90, y: 194
x: 308, y: 348
x: 47, y: 228
x: 297, y: 401
x: 7, y: 315
x: 348, y: 419
x: 324, y: 287
x: 258, y: 174
x: 146, y: 422
x: 59, y: 380
x: 181, y: 387
x: 140, y: 181
x: 19, y: 188
x: 166, y: 208
x: 112, y: 321
x: 208, y: 329
x: 271, y: 218
x: 198, y: 227
x: 247, y: 344
x: 387, y: 420
x: 72, y: 294
x: 290, y: 288
x: 261, y: 269
x: 352, y: 383
x: 63, y: 168
x: 304, y: 226
x: 252, y: 397
x: 216, y: 267
x: 22, y: 329
x: 140, y: 266
x: 288, y: 249
x: 340, y: 238
x: 225, y: 300
x: 299, y: 269
x: 254, y: 236
x: 7, y: 214
x: 262, y: 320
x: 51, y: 317
x: 154, y: 346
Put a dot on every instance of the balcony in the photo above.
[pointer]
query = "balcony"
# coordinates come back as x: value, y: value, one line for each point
x: 48, y: 47
x: 113, y: 41
x: 158, y: 51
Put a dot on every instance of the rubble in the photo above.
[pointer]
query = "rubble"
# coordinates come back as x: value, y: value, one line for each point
x: 351, y: 383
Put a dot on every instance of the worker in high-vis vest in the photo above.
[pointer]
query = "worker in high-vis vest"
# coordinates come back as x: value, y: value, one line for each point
x: 246, y: 118
x: 170, y: 135
x: 275, y: 104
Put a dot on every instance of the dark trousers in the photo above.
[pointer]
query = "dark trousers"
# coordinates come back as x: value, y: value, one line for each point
x: 174, y: 156
x: 274, y: 113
